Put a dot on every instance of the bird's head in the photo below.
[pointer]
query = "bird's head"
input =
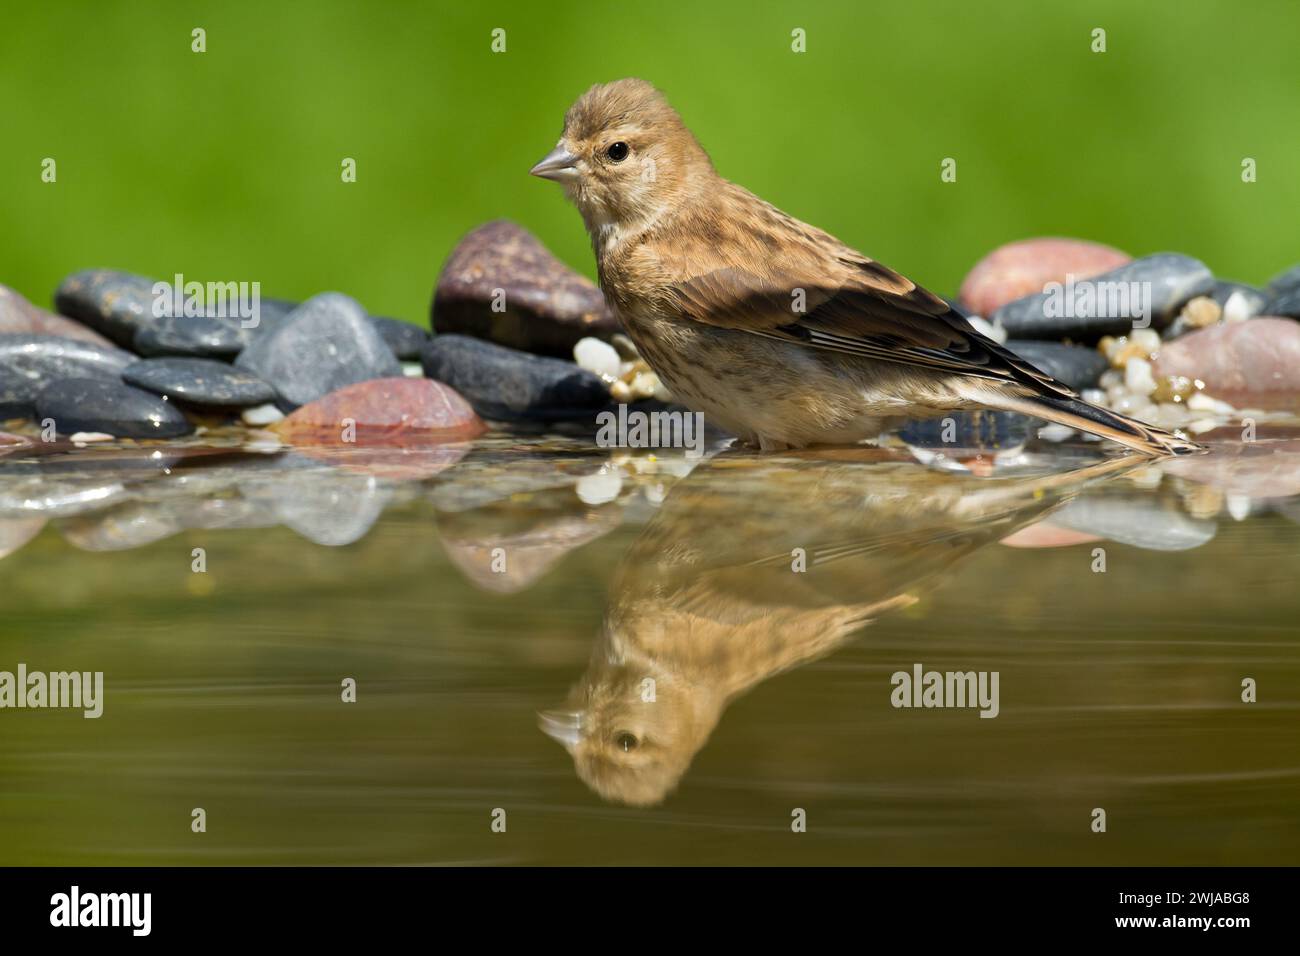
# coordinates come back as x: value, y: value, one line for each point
x: 632, y: 735
x: 625, y: 157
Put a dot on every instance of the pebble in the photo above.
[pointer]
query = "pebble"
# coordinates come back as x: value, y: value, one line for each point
x: 406, y: 339
x: 1023, y: 268
x: 1074, y: 365
x: 504, y: 383
x: 501, y: 284
x: 324, y: 344
x: 1255, y: 362
x: 198, y: 381
x: 114, y: 303
x: 18, y: 316
x: 198, y: 335
x: 29, y: 363
x: 115, y: 408
x: 386, y: 411
x: 1090, y: 310
x: 261, y: 415
x: 599, y: 358
x: 1247, y: 301
x: 1285, y: 303
x: 1287, y: 281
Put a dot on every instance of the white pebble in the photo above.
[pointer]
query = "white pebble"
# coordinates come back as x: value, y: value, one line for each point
x: 1148, y: 340
x: 261, y: 415
x: 1094, y: 395
x: 1200, y: 402
x: 1203, y: 425
x: 82, y: 438
x: 598, y: 357
x: 1238, y: 506
x: 1138, y: 377
x: 413, y: 370
x: 600, y: 488
x: 1237, y: 308
x: 644, y: 384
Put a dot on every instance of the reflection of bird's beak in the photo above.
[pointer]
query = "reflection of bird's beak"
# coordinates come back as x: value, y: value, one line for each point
x: 559, y: 164
x: 563, y: 726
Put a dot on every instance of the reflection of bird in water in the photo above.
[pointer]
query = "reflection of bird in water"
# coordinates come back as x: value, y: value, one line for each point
x: 707, y: 602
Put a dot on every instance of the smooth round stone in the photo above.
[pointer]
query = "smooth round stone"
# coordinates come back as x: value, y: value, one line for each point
x: 508, y: 384
x: 405, y: 339
x: 192, y: 335
x: 1110, y: 303
x: 18, y: 316
x: 1072, y: 365
x: 1285, y: 303
x: 324, y: 344
x: 270, y: 314
x: 1252, y: 364
x: 547, y: 306
x: 28, y: 363
x: 114, y: 303
x: 114, y: 408
x: 386, y: 411
x: 199, y: 382
x: 1022, y: 268
x: 1287, y: 281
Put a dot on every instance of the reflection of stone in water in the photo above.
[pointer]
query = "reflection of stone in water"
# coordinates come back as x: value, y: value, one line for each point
x: 330, y: 508
x: 56, y: 497
x: 532, y: 540
x: 1266, y: 468
x: 706, y: 604
x: 16, y: 532
x: 132, y: 524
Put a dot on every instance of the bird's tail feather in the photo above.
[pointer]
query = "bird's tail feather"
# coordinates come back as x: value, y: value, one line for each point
x: 1076, y: 413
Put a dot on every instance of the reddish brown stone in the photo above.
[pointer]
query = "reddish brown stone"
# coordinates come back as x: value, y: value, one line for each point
x: 384, y: 412
x: 1252, y: 364
x: 547, y: 306
x: 17, y: 315
x: 1022, y: 268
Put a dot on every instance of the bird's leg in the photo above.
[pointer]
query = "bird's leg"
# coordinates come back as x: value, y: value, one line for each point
x: 770, y: 444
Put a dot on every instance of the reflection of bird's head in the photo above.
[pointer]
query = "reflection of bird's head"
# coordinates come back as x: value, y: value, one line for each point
x: 632, y: 732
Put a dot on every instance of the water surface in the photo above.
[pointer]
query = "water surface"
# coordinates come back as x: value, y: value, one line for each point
x: 470, y: 589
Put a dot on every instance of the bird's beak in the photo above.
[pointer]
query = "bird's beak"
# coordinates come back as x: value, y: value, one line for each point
x: 562, y: 726
x: 559, y: 164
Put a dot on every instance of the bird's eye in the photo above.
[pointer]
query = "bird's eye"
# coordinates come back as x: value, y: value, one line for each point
x: 626, y: 742
x: 617, y: 152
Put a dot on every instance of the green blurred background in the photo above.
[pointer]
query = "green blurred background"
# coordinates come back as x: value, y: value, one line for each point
x: 225, y: 165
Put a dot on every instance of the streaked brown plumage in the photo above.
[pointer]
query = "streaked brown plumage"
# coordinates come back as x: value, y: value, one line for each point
x: 776, y: 330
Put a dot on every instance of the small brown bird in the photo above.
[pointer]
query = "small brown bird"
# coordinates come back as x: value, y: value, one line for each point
x: 774, y: 329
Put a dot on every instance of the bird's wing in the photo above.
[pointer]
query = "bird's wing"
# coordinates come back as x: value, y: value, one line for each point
x: 853, y: 305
